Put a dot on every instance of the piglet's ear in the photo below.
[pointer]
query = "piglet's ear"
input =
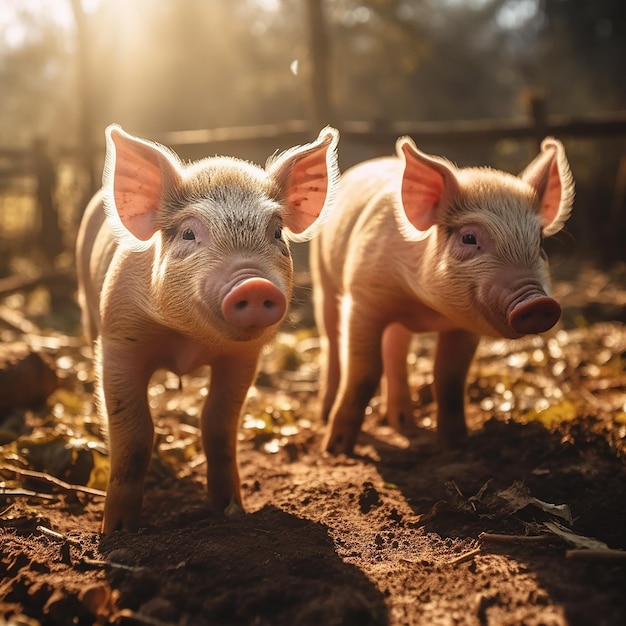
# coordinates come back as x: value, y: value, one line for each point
x: 307, y: 178
x: 551, y: 177
x: 136, y: 173
x: 427, y: 184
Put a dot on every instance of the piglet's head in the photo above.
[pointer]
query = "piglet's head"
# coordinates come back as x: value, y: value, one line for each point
x: 485, y: 252
x: 217, y: 230
x: 140, y: 176
x: 430, y: 185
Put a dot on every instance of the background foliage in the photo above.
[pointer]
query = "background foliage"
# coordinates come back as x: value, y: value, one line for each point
x: 164, y: 66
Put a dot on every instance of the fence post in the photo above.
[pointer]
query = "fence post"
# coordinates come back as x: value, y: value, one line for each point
x: 84, y: 93
x: 537, y: 110
x: 50, y: 235
x: 320, y: 60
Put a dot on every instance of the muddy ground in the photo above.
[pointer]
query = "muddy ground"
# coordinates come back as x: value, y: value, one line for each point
x: 523, y: 525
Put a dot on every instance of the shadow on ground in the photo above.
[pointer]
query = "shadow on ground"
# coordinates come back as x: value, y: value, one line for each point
x: 269, y: 567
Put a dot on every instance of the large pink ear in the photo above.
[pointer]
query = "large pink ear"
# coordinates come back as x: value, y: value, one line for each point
x: 427, y: 182
x: 551, y: 177
x: 136, y: 172
x: 307, y: 177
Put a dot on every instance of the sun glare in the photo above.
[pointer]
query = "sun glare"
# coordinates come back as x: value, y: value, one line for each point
x: 513, y: 15
x: 269, y: 5
x: 14, y: 29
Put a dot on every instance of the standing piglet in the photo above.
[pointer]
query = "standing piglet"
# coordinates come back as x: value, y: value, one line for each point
x: 186, y: 265
x: 418, y: 245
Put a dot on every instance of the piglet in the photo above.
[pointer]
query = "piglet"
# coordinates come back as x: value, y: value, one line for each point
x: 418, y: 245
x: 187, y: 265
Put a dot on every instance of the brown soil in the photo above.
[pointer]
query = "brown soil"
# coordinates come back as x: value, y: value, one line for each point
x: 400, y: 534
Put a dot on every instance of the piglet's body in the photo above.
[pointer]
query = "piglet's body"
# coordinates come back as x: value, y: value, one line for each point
x: 418, y: 245
x: 187, y: 265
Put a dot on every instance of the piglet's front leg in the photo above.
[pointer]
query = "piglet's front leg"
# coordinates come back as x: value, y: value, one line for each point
x: 130, y: 434
x: 231, y: 378
x: 455, y: 351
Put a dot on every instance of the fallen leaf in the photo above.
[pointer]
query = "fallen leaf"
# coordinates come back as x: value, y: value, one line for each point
x: 580, y: 541
x: 518, y: 496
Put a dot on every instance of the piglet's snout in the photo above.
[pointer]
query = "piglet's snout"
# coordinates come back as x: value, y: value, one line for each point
x: 254, y: 303
x: 535, y: 315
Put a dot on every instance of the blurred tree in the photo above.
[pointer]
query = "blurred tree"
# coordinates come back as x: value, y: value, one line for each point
x: 413, y: 60
x: 195, y: 64
x: 206, y: 63
x: 582, y: 57
x: 84, y: 95
x: 36, y: 79
x: 416, y: 59
x: 155, y: 66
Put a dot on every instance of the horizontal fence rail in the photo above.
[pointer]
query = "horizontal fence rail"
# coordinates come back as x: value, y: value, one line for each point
x: 611, y: 124
x: 481, y: 130
x: 597, y: 125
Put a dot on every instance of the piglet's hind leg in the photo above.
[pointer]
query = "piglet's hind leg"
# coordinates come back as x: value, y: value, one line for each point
x: 361, y: 369
x: 395, y: 385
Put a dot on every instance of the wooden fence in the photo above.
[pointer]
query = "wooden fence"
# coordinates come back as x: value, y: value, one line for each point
x: 27, y: 170
x: 535, y: 126
x: 591, y: 126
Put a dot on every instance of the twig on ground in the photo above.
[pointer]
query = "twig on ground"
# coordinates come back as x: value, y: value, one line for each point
x: 112, y: 564
x: 17, y: 322
x: 496, y: 538
x: 13, y: 284
x: 52, y: 480
x: 53, y: 534
x: 27, y: 493
x: 596, y: 555
x: 142, y: 618
x: 468, y: 556
x: 456, y: 488
x: 589, y: 397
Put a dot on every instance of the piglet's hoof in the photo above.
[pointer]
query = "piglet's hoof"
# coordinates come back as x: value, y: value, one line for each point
x: 452, y: 438
x: 234, y: 509
x: 339, y: 444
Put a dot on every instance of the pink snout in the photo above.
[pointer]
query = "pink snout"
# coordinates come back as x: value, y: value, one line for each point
x: 254, y: 303
x: 535, y: 315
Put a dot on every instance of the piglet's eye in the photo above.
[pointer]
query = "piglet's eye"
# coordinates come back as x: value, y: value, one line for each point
x: 469, y: 239
x: 188, y: 234
x: 278, y: 233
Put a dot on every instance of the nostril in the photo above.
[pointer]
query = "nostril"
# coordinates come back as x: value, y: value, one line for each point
x: 242, y: 304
